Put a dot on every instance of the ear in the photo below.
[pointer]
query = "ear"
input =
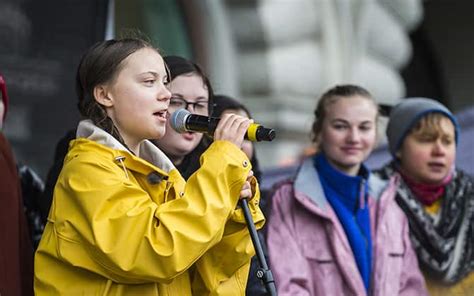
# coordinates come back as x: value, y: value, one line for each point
x: 101, y: 95
x: 318, y: 141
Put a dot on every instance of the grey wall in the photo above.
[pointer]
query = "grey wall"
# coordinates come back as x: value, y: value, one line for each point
x: 41, y: 43
x: 450, y: 28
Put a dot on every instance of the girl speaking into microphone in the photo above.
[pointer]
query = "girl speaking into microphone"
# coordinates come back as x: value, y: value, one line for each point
x: 123, y: 221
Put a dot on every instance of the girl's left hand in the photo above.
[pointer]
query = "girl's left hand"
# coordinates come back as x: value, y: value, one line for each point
x: 246, y: 191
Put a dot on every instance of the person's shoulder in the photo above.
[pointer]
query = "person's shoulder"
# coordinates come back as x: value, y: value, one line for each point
x: 90, y: 157
x: 282, y: 189
x: 284, y: 183
x: 385, y: 172
x: 463, y: 175
x: 463, y: 181
x: 7, y: 159
x: 5, y: 147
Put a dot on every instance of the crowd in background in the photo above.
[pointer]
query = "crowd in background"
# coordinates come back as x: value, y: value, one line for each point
x: 120, y: 214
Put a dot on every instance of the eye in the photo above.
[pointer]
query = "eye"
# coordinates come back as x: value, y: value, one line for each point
x: 366, y: 128
x: 448, y: 141
x: 201, y: 105
x: 150, y: 81
x: 426, y: 138
x: 339, y: 126
x: 175, y: 102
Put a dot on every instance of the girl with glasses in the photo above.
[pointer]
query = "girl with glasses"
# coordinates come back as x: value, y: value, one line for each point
x: 190, y: 89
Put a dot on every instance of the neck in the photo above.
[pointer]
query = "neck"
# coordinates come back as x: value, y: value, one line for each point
x: 348, y: 170
x: 426, y: 193
x: 135, y: 149
x: 133, y: 145
x: 176, y: 160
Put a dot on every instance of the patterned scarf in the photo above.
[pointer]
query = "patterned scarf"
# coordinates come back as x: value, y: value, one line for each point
x: 445, y: 247
x: 427, y: 193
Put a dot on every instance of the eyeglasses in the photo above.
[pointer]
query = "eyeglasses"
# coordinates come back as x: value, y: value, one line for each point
x: 198, y: 107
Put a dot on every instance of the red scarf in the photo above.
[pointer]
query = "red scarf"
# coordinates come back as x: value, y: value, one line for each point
x: 427, y: 193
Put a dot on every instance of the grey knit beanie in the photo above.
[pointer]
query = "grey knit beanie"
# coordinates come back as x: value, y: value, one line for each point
x: 407, y: 113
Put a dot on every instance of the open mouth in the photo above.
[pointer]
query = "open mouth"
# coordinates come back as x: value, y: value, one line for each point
x: 436, y: 165
x: 161, y: 114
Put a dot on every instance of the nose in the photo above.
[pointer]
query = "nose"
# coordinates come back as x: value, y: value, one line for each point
x: 165, y: 94
x: 438, y: 148
x: 189, y: 107
x: 354, y: 135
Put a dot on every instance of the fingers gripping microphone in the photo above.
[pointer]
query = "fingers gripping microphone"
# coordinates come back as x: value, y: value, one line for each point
x: 183, y: 121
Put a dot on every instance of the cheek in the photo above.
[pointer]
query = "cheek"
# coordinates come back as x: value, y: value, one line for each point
x: 247, y: 148
x: 198, y: 138
x: 370, y: 139
x: 415, y: 157
x: 329, y: 138
x: 170, y: 135
x: 451, y: 155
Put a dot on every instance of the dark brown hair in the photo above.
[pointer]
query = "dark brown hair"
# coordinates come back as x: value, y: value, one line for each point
x: 178, y: 66
x: 99, y: 65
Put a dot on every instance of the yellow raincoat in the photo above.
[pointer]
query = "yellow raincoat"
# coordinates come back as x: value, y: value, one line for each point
x: 121, y: 225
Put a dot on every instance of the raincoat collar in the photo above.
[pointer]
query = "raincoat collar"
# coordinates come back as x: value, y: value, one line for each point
x: 148, y: 151
x: 307, y: 182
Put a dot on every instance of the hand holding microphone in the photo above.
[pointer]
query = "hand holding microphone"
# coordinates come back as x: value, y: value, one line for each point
x: 246, y: 191
x: 183, y: 121
x: 232, y: 128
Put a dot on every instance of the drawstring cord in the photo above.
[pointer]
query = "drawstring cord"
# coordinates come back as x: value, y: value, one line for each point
x: 121, y: 159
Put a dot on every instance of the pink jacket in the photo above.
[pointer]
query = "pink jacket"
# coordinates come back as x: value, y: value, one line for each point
x: 310, y: 253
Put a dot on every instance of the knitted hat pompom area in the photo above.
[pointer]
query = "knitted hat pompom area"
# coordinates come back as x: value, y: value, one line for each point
x: 406, y: 115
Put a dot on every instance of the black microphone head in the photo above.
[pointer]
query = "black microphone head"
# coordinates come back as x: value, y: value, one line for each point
x: 265, y: 134
x: 271, y: 134
x: 178, y: 120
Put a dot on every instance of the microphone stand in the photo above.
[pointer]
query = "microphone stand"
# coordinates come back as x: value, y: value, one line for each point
x: 263, y: 273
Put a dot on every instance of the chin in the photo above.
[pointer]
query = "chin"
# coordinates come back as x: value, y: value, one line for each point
x: 157, y: 135
x: 352, y: 161
x: 433, y: 179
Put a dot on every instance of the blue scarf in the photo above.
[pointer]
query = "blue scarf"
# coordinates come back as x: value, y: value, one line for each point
x: 348, y: 198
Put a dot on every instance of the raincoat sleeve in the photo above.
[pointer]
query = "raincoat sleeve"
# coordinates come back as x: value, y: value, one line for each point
x: 290, y: 269
x: 224, y: 269
x: 111, y: 225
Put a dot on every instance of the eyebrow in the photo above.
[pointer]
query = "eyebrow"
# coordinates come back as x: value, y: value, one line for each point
x: 150, y: 72
x: 201, y: 98
x: 155, y: 74
x: 340, y: 120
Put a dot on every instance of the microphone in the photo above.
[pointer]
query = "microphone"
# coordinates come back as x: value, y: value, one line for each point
x: 183, y: 121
